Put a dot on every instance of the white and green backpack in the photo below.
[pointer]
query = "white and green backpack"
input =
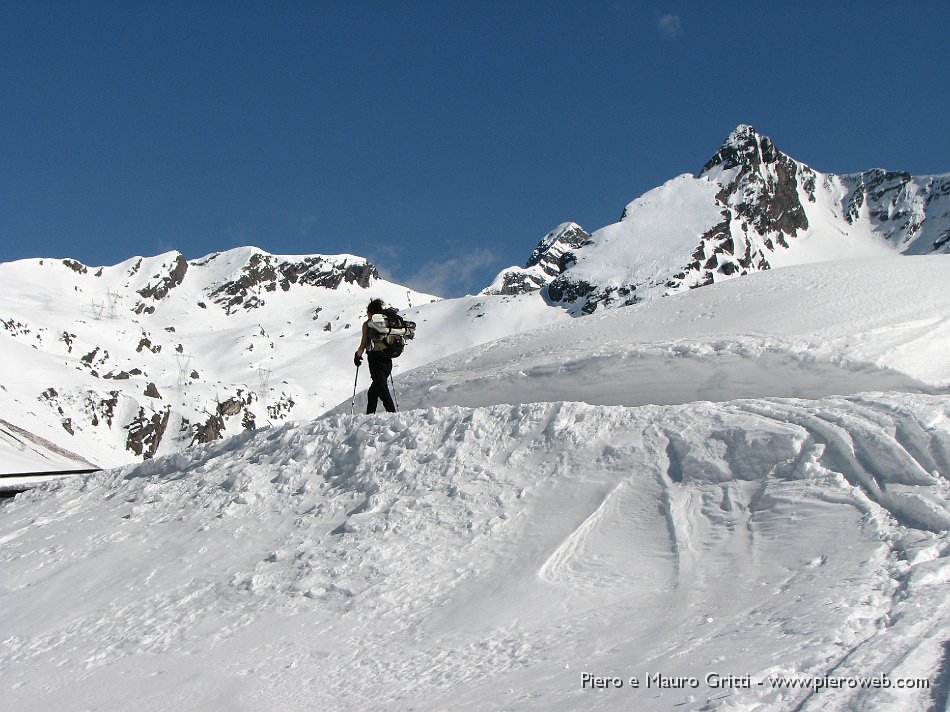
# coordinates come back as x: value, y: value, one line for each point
x: 389, y: 332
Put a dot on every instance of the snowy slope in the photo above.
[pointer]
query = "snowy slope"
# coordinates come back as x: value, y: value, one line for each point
x: 22, y: 451
x: 124, y: 362
x: 831, y: 328
x: 489, y: 558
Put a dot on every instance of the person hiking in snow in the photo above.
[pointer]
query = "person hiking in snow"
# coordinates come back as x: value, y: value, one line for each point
x: 380, y: 365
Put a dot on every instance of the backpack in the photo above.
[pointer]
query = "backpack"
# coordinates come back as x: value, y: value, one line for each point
x: 389, y: 332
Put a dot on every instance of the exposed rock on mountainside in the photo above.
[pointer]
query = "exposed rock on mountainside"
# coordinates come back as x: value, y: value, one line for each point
x: 146, y: 432
x: 553, y: 255
x: 901, y: 205
x: 166, y: 282
x: 265, y: 273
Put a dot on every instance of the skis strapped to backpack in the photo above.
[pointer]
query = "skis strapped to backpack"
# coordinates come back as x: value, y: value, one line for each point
x: 389, y: 332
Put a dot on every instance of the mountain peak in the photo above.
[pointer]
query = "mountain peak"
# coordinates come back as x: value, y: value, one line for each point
x: 743, y: 147
x: 742, y: 132
x: 744, y: 212
x: 553, y: 255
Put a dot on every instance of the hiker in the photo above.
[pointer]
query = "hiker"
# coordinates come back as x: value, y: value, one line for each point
x: 380, y: 365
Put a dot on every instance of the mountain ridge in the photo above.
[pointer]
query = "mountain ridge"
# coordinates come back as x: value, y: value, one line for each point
x: 755, y: 208
x: 156, y: 353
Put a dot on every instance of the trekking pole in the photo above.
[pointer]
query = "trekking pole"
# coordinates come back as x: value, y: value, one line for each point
x: 395, y: 400
x: 353, y: 400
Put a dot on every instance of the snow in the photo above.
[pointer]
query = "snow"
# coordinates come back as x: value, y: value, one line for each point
x: 833, y: 328
x: 647, y: 246
x: 749, y: 480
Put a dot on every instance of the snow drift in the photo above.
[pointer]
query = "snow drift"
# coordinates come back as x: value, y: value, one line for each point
x: 485, y: 559
x: 826, y: 329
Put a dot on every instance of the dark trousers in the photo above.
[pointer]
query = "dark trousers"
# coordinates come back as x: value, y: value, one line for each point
x: 380, y: 367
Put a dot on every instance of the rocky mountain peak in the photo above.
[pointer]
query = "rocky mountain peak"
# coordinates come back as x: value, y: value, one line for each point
x: 750, y: 208
x: 554, y: 254
x: 744, y: 147
x: 555, y: 250
x: 767, y: 190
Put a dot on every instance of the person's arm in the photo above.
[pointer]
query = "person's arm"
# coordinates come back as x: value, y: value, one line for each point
x: 364, y: 342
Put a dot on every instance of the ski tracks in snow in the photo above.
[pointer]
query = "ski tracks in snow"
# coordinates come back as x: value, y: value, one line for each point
x: 563, y: 564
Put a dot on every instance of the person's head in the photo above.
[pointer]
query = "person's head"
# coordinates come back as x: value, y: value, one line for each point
x: 375, y: 306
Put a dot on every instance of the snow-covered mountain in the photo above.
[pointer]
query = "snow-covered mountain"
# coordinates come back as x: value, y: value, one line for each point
x: 786, y: 550
x: 114, y: 364
x: 750, y: 208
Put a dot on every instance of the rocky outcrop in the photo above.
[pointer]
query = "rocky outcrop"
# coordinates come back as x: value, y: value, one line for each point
x: 146, y: 343
x: 146, y: 432
x: 900, y: 207
x: 209, y: 431
x: 554, y: 254
x: 14, y: 327
x: 75, y: 266
x: 266, y: 273
x: 166, y: 283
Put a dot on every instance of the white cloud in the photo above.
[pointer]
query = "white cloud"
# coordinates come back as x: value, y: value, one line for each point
x: 306, y: 223
x: 459, y: 271
x: 454, y: 275
x: 670, y: 25
x: 387, y: 259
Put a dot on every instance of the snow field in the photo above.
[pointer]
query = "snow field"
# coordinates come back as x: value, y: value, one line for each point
x: 830, y: 329
x: 470, y: 559
x: 565, y: 502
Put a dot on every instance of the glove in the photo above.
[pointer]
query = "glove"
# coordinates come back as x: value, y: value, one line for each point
x: 357, y: 360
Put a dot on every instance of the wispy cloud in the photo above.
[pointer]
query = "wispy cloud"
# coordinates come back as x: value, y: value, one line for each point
x: 387, y: 259
x: 306, y: 224
x: 460, y: 274
x: 670, y: 25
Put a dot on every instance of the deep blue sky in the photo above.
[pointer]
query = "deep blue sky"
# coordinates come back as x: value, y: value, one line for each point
x: 440, y: 139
